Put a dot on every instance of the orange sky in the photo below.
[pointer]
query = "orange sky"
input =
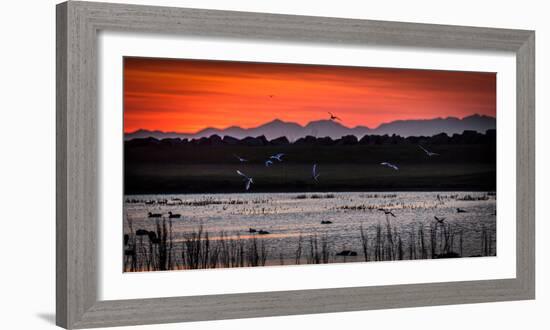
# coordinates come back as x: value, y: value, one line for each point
x: 189, y: 95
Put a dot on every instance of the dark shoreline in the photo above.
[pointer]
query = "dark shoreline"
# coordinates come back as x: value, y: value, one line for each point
x: 465, y: 162
x: 396, y: 190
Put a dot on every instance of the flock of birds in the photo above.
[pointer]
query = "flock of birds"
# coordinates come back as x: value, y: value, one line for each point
x: 395, y: 167
x: 439, y: 220
x: 159, y: 215
x: 248, y: 180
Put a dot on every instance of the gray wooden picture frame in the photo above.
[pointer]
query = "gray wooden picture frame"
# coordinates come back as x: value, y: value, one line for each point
x: 78, y: 24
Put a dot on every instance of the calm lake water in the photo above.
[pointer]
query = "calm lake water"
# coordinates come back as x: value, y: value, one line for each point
x: 289, y: 216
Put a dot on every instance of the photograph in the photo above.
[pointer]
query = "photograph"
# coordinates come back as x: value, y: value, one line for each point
x: 244, y: 164
x: 236, y: 165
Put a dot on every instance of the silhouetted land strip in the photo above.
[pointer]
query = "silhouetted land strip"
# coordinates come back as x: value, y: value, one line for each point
x: 466, y: 161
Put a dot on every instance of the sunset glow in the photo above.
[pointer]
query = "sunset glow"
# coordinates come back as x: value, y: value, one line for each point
x: 190, y: 95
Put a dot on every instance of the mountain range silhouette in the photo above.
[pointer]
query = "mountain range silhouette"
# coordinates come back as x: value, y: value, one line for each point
x: 334, y: 129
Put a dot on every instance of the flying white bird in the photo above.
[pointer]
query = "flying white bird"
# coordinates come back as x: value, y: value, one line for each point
x: 314, y: 173
x: 248, y: 180
x: 439, y: 220
x: 242, y: 160
x: 277, y: 157
x: 429, y: 153
x: 390, y: 165
x: 268, y: 163
x: 333, y: 117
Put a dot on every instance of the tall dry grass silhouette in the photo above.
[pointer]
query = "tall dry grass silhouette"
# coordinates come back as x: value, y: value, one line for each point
x: 157, y: 250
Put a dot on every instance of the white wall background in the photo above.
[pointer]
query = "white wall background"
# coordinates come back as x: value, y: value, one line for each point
x: 27, y: 162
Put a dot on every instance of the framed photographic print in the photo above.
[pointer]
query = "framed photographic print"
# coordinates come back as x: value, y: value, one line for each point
x: 217, y: 165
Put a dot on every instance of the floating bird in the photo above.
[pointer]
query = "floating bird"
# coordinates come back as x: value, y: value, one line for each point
x: 439, y: 220
x: 429, y: 153
x: 248, y: 180
x: 347, y: 253
x: 326, y: 222
x: 242, y: 160
x: 277, y: 157
x: 333, y: 117
x: 154, y: 215
x: 263, y: 232
x: 142, y: 232
x: 268, y: 163
x: 173, y: 215
x: 459, y: 210
x: 252, y: 230
x: 314, y: 173
x: 390, y: 165
x: 387, y: 212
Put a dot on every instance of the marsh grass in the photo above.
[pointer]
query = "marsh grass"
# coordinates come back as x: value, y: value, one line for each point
x: 319, y: 250
x: 486, y: 242
x: 157, y: 250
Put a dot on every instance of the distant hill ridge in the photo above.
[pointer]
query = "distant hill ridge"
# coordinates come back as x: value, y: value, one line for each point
x: 466, y: 137
x: 335, y: 130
